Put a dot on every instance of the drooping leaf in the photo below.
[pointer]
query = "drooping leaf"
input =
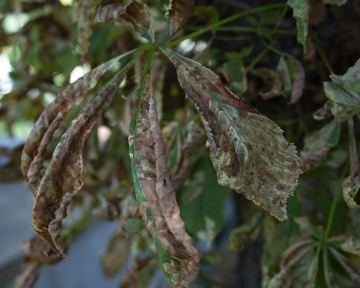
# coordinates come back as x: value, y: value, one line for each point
x: 35, y: 147
x: 248, y: 150
x: 346, y: 264
x: 28, y: 275
x: 290, y: 262
x: 115, y: 254
x: 344, y: 91
x: 203, y: 204
x: 153, y: 190
x: 300, y: 12
x: 64, y: 176
x: 298, y: 83
x: 245, y: 233
x: 136, y: 14
x: 178, y: 13
x: 318, y: 144
x: 351, y: 184
x: 84, y: 23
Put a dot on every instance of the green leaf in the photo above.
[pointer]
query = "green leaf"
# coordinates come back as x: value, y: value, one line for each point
x: 252, y: 21
x: 301, y: 10
x: 269, y: 16
x: 344, y: 91
x: 202, y: 204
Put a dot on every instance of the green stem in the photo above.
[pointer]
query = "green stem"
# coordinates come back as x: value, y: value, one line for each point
x: 232, y: 38
x: 222, y: 22
x: 333, y: 204
x: 269, y: 47
x: 321, y: 54
x: 226, y: 28
x: 262, y: 54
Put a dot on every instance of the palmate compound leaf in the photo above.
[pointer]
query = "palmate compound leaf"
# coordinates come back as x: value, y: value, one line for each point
x: 248, y: 150
x: 136, y: 14
x: 155, y: 196
x: 344, y: 91
x: 35, y: 147
x: 64, y: 176
x: 178, y: 13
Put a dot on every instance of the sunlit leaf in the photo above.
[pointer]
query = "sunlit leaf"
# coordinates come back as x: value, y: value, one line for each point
x: 153, y: 190
x: 35, y: 147
x: 136, y: 14
x: 344, y: 91
x: 248, y: 150
x: 64, y: 176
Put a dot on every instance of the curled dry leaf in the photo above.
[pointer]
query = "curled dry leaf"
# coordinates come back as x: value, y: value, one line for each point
x: 130, y: 278
x: 298, y: 82
x: 318, y: 144
x: 248, y: 150
x: 351, y: 184
x: 64, y: 176
x: 35, y: 147
x: 324, y: 111
x: 153, y: 190
x: 84, y: 23
x: 28, y: 275
x: 179, y: 13
x: 136, y: 14
x: 351, y: 245
x: 344, y: 91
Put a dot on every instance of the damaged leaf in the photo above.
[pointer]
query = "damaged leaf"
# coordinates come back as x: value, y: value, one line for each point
x: 136, y: 14
x: 344, y: 91
x: 298, y: 83
x: 155, y: 196
x: 64, y: 176
x: 27, y: 275
x: 301, y: 11
x: 178, y: 13
x: 84, y: 23
x: 35, y: 147
x: 346, y: 264
x: 318, y: 144
x: 130, y: 278
x: 246, y: 233
x: 351, y: 184
x: 324, y: 111
x: 248, y: 150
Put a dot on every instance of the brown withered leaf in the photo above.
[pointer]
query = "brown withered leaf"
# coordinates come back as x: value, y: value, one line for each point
x: 136, y: 14
x: 115, y: 254
x: 318, y: 144
x: 179, y: 13
x: 248, y: 150
x: 84, y: 23
x: 351, y: 184
x: 35, y: 147
x: 131, y: 276
x: 28, y: 275
x: 64, y: 176
x: 323, y: 112
x: 155, y: 196
x: 298, y: 83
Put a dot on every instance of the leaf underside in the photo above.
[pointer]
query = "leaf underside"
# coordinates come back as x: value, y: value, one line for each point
x: 248, y: 150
